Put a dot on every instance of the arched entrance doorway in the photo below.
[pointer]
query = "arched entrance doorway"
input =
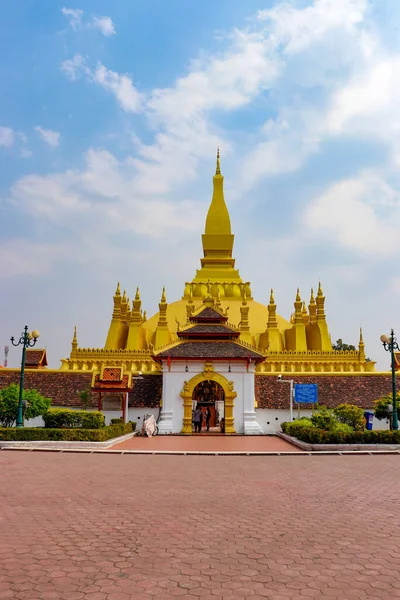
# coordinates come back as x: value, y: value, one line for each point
x: 192, y: 389
x: 209, y: 396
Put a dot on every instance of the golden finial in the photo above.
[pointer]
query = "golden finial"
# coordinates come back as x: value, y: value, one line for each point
x: 74, y: 339
x: 304, y: 308
x: 163, y: 295
x: 137, y: 296
x: 144, y: 316
x: 312, y: 299
x: 218, y: 169
x: 118, y: 290
x: 320, y: 293
x: 271, y: 298
x: 124, y: 296
x: 361, y: 336
x: 298, y: 298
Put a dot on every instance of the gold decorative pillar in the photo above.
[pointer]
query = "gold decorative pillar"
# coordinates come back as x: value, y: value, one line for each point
x: 187, y: 408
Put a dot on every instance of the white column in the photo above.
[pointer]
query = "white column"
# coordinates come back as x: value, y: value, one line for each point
x: 165, y: 424
x: 126, y: 406
x: 251, y: 425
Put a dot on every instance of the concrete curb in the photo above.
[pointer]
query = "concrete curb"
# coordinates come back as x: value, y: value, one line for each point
x: 342, y: 448
x: 203, y: 453
x: 60, y: 445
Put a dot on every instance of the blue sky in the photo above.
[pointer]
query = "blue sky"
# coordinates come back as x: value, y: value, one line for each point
x: 109, y: 120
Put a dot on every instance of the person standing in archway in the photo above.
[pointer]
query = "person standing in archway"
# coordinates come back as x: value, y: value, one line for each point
x: 208, y: 418
x: 197, y: 419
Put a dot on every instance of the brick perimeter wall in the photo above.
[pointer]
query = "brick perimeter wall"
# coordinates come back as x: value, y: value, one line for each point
x: 332, y: 391
x: 63, y: 388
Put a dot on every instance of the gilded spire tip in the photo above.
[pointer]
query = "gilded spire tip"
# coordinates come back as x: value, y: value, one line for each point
x: 218, y: 169
x: 163, y: 295
x: 298, y: 297
x: 118, y: 290
x: 137, y: 296
x: 271, y: 297
x: 320, y: 292
x: 312, y: 299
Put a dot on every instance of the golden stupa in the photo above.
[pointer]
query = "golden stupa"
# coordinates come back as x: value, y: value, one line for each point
x: 301, y: 344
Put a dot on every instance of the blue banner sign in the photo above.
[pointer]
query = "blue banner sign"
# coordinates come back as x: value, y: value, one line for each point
x: 306, y: 393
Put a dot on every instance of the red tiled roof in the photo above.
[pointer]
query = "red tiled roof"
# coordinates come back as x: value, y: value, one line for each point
x: 212, y: 329
x: 111, y: 374
x: 208, y: 314
x: 111, y: 385
x: 35, y: 358
x: 209, y: 349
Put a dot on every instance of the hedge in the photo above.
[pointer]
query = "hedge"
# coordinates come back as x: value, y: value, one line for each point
x: 29, y: 434
x: 314, y: 435
x: 57, y: 418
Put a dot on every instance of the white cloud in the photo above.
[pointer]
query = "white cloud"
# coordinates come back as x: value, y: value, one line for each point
x: 74, y: 16
x: 21, y: 257
x: 52, y: 138
x: 7, y: 137
x: 354, y: 213
x: 121, y: 86
x: 73, y: 67
x: 297, y: 28
x: 104, y: 24
x: 112, y: 190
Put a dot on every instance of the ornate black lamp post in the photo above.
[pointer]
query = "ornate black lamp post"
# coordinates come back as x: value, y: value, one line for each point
x: 27, y: 340
x: 390, y: 344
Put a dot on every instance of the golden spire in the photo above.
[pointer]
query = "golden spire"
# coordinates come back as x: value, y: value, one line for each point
x: 361, y: 347
x: 124, y: 296
x: 298, y: 304
x: 305, y: 313
x: 272, y: 321
x: 74, y: 340
x: 320, y: 304
x: 312, y: 308
x: 163, y: 295
x: 137, y: 296
x: 218, y: 221
x: 144, y: 316
x: 118, y: 290
x: 218, y: 169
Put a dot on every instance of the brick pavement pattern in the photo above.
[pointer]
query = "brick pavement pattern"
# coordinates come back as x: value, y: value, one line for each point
x: 121, y: 527
x: 208, y: 443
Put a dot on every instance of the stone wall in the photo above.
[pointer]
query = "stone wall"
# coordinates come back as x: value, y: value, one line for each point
x: 333, y: 390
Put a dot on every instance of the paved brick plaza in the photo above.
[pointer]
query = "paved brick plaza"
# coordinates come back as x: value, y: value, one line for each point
x: 208, y: 443
x: 120, y: 527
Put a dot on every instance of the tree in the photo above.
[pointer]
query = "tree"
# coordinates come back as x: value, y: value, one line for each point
x: 382, y: 407
x: 341, y: 346
x: 36, y: 404
x: 85, y: 396
x: 350, y: 415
